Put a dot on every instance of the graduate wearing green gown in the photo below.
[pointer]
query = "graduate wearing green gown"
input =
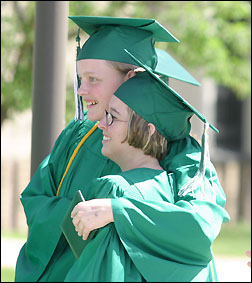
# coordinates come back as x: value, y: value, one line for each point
x: 46, y: 256
x: 153, y: 249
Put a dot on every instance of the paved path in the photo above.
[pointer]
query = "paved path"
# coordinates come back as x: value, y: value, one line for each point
x: 229, y: 269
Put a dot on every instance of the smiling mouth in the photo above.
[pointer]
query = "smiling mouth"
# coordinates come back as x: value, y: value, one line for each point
x: 89, y: 103
x: 105, y: 138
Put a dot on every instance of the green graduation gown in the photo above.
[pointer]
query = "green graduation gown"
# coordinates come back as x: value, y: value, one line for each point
x: 46, y: 255
x: 129, y: 253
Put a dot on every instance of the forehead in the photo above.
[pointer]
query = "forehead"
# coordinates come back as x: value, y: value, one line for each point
x: 93, y: 65
x: 117, y: 104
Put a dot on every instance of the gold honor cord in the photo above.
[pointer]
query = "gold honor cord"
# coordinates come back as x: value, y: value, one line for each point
x: 74, y: 154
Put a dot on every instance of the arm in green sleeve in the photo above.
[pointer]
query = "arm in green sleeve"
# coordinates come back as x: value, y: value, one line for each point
x: 44, y: 212
x: 171, y: 239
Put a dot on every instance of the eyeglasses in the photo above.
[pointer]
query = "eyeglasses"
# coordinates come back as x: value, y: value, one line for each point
x: 110, y: 118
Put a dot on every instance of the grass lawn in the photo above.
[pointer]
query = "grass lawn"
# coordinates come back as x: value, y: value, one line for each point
x: 13, y: 235
x: 233, y: 241
x: 7, y: 274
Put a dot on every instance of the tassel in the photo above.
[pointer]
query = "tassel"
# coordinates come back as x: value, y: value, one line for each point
x: 197, y: 182
x: 79, y: 114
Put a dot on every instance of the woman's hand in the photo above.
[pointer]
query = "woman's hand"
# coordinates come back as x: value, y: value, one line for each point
x: 90, y: 215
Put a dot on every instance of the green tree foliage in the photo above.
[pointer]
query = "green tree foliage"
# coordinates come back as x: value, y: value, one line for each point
x: 215, y: 37
x: 215, y: 40
x: 17, y: 19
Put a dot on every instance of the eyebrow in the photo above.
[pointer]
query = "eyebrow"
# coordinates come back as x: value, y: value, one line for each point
x: 114, y: 110
x: 88, y: 73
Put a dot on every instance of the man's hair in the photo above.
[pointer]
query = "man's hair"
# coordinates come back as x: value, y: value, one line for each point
x: 122, y: 67
x: 138, y: 135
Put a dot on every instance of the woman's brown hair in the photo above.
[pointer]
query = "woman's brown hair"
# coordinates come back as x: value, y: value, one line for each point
x: 139, y: 136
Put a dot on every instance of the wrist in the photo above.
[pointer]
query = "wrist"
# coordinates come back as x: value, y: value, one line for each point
x: 110, y: 211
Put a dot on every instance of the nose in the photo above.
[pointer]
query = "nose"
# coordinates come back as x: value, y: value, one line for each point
x: 103, y: 123
x: 82, y: 90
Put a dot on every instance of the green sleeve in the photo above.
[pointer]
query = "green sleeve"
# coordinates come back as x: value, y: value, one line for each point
x: 175, y: 238
x: 171, y: 237
x: 43, y: 209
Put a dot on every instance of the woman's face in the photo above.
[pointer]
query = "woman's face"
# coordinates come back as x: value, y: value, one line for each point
x: 99, y: 81
x: 114, y: 134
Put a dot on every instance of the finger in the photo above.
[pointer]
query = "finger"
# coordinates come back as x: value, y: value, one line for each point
x: 85, y: 234
x: 74, y: 211
x: 76, y: 221
x: 80, y: 228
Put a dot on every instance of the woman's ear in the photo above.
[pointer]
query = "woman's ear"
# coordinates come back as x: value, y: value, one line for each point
x: 152, y: 128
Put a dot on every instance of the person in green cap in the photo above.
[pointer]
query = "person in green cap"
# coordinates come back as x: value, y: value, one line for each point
x: 76, y: 158
x: 137, y: 127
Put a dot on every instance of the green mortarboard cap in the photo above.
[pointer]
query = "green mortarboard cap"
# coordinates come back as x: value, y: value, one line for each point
x: 172, y: 91
x: 169, y: 67
x: 109, y: 36
x: 158, y: 103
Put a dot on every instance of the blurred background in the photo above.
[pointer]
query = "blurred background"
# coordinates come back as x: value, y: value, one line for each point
x: 215, y: 47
